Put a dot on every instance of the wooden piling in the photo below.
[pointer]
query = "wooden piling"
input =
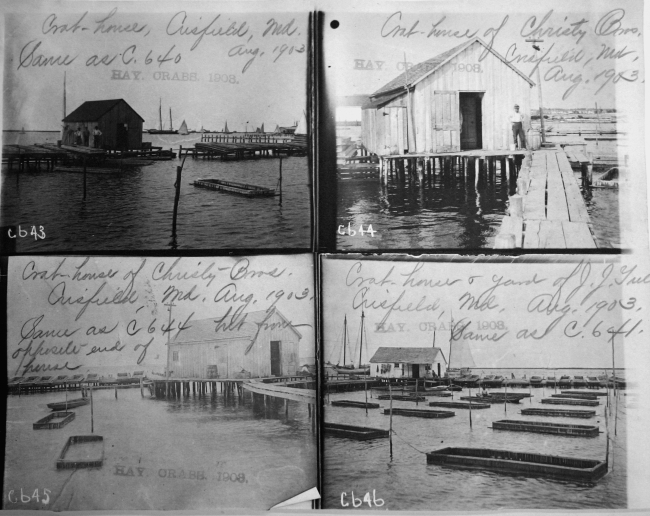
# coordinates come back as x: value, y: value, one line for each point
x: 390, y: 428
x: 92, y: 415
x: 85, y: 174
x: 177, y: 196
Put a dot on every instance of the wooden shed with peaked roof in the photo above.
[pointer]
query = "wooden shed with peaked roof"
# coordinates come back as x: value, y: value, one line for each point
x: 119, y: 123
x: 407, y: 362
x: 254, y: 344
x: 459, y: 100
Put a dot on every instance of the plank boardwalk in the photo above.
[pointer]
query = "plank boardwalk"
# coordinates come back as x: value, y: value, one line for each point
x: 554, y: 214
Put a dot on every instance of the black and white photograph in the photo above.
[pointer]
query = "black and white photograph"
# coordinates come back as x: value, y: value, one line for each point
x: 479, y: 126
x: 129, y: 127
x: 484, y: 384
x: 160, y: 383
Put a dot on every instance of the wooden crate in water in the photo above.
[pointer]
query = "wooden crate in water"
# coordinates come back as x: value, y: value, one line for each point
x: 95, y: 458
x: 49, y: 423
x: 519, y: 463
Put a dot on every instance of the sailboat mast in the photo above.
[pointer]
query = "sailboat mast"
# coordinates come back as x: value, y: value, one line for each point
x: 64, y: 110
x: 361, y: 345
x: 171, y: 127
x: 345, y: 335
x: 160, y: 114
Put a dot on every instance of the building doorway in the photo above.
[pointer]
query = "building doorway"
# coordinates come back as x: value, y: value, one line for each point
x: 122, y: 136
x: 276, y: 358
x: 471, y: 134
x: 415, y: 369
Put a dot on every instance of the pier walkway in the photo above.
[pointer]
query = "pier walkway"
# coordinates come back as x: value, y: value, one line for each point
x: 548, y: 211
x: 280, y: 391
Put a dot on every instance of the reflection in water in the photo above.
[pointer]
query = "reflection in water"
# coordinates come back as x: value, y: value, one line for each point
x: 133, y: 210
x: 442, y: 212
x: 446, y: 212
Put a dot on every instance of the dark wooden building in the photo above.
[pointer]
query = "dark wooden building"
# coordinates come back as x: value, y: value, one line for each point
x: 120, y: 125
x: 459, y: 100
x: 256, y: 344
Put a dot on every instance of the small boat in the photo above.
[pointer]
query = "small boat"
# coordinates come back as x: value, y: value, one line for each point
x: 564, y: 381
x: 44, y: 382
x: 550, y: 381
x: 15, y: 380
x: 29, y: 382
x: 519, y: 463
x: 91, y: 378
x: 63, y: 405
x: 75, y: 379
x: 62, y: 379
x: 618, y: 380
x: 454, y: 388
x: 137, y: 376
x: 236, y: 188
x: 486, y: 380
x: 593, y: 382
x: 183, y: 128
x: 579, y: 381
x: 536, y: 381
x: 471, y: 380
x: 123, y: 378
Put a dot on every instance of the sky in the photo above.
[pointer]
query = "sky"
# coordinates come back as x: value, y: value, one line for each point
x: 532, y: 313
x: 207, y: 66
x: 123, y: 302
x: 585, y: 45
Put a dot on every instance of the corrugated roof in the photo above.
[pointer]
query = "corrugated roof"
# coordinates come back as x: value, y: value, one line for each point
x: 405, y: 355
x: 246, y: 327
x: 93, y: 110
x: 418, y: 72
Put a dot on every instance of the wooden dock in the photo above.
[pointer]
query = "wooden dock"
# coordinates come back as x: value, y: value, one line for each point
x: 244, y: 147
x: 280, y: 391
x: 479, y: 165
x: 548, y: 211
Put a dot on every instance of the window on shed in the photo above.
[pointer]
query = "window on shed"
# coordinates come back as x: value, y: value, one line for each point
x: 175, y: 356
x: 397, y: 365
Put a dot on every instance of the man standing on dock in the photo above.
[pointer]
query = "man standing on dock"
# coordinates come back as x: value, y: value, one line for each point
x: 96, y: 136
x: 86, y: 136
x: 517, y: 121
